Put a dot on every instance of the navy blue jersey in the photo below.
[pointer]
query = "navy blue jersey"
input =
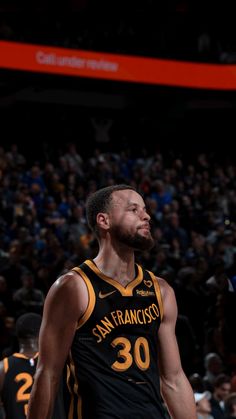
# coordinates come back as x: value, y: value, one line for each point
x: 112, y: 370
x: 19, y: 372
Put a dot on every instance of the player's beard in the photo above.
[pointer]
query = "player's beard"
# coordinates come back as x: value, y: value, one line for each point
x: 135, y: 241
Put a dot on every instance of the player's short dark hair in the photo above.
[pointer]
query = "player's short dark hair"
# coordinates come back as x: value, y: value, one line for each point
x: 28, y: 325
x: 100, y: 201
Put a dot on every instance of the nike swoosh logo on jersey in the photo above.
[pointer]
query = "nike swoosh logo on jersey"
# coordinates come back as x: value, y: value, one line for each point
x: 101, y: 295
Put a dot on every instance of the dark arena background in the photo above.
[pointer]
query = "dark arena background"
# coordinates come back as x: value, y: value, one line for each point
x: 169, y: 131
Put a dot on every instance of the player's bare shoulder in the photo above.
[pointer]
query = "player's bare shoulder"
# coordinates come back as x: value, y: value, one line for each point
x: 71, y: 281
x: 168, y: 297
x: 165, y: 288
x: 71, y: 291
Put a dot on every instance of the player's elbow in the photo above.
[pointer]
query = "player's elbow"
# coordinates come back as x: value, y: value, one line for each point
x: 171, y: 382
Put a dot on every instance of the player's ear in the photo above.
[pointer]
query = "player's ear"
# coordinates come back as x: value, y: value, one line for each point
x: 103, y: 220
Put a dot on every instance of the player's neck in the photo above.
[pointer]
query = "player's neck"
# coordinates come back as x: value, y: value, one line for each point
x: 118, y: 266
x: 29, y: 348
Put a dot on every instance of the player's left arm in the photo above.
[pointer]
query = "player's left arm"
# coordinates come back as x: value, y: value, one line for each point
x: 175, y: 387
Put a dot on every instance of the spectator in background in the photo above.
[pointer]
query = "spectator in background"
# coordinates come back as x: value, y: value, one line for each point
x: 218, y: 281
x: 221, y: 390
x: 35, y: 177
x: 160, y: 194
x: 213, y: 367
x: 203, y: 405
x: 230, y: 406
x: 13, y: 267
x: 74, y: 160
x: 14, y: 158
x: 197, y: 383
x: 233, y: 381
x: 101, y: 129
x: 28, y: 298
x: 173, y: 230
x: 6, y: 295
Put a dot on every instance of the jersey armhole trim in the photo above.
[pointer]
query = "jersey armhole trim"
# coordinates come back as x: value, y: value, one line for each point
x: 91, y: 298
x: 5, y: 365
x: 157, y: 291
x: 19, y: 355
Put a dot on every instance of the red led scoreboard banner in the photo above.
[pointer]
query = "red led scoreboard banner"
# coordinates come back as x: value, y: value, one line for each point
x: 72, y: 62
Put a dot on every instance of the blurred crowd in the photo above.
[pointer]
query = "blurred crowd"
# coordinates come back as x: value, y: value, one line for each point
x: 192, y: 202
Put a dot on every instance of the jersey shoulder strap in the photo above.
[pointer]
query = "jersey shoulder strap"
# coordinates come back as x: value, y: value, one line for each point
x: 157, y: 288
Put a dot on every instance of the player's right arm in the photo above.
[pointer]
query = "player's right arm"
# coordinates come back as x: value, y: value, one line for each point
x: 65, y: 303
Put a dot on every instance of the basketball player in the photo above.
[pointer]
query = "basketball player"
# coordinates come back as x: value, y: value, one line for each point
x: 115, y: 324
x: 17, y: 371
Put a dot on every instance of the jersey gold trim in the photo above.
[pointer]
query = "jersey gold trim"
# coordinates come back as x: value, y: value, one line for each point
x: 91, y: 297
x: 5, y: 365
x: 125, y: 291
x: 19, y: 355
x: 158, y: 292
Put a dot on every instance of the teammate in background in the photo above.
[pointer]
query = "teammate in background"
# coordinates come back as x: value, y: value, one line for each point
x: 115, y: 323
x: 17, y: 371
